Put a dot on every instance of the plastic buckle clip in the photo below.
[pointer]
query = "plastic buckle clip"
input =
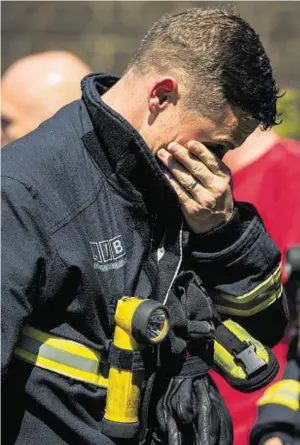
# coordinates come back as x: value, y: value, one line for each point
x: 250, y: 361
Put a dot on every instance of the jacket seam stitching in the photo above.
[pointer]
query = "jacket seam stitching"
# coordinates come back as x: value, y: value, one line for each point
x: 68, y: 218
x: 57, y: 226
x: 29, y: 188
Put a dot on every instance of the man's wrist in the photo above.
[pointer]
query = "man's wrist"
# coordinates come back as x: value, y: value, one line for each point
x: 221, y: 236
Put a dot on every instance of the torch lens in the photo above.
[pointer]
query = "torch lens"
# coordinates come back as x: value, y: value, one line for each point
x: 157, y: 324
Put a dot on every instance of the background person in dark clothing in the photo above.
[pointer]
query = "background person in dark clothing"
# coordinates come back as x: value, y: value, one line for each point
x: 122, y: 193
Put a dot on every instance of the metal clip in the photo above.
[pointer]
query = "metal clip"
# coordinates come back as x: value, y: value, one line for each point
x: 250, y: 361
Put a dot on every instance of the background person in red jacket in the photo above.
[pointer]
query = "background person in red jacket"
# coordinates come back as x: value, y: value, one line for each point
x: 266, y: 173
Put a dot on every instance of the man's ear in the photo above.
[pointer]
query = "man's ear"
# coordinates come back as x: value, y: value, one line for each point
x: 162, y: 92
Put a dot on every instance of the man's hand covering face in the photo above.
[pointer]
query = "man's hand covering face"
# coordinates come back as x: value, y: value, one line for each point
x: 202, y: 182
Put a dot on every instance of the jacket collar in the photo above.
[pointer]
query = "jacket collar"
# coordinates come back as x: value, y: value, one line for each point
x: 122, y: 154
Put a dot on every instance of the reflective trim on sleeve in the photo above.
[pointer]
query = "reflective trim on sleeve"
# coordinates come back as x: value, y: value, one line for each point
x: 254, y: 301
x: 285, y: 392
x: 62, y: 356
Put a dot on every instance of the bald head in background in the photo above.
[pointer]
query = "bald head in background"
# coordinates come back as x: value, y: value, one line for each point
x: 35, y: 87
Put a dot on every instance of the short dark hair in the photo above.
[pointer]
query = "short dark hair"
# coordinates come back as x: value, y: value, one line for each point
x: 220, y: 49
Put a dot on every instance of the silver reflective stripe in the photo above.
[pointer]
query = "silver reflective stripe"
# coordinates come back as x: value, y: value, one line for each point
x: 61, y: 357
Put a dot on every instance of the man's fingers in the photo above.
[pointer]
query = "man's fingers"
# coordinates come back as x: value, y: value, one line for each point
x: 179, y: 160
x: 187, y: 181
x: 183, y: 195
x: 205, y: 197
x: 198, y: 197
x: 188, y: 168
x: 208, y: 158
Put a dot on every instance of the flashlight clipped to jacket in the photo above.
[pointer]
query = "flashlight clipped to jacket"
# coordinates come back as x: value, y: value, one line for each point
x: 138, y: 322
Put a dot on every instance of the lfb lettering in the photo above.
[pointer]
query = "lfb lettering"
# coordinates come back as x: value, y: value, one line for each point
x: 105, y: 247
x: 117, y: 247
x: 108, y: 250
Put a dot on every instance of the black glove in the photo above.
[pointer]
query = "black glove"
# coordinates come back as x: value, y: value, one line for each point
x: 191, y: 324
x: 198, y: 308
x: 192, y: 412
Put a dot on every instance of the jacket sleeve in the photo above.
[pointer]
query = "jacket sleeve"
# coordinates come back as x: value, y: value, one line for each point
x: 279, y: 407
x: 23, y: 254
x: 240, y: 267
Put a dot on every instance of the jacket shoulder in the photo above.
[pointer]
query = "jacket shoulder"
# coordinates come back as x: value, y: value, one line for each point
x: 47, y: 146
x: 53, y: 162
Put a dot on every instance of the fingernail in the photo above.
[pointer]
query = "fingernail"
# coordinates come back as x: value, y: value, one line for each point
x: 162, y: 153
x: 172, y: 145
x: 191, y: 144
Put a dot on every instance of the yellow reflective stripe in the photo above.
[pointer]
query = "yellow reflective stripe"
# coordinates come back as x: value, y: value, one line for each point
x: 226, y: 360
x: 61, y: 343
x: 275, y: 277
x: 279, y: 400
x: 62, y: 356
x: 285, y: 392
x: 253, y: 301
x: 65, y: 370
x: 287, y: 384
x: 244, y: 312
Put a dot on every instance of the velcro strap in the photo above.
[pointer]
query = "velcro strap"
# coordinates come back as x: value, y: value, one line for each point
x: 193, y: 367
x: 124, y: 359
x: 62, y: 356
x: 231, y: 342
x: 243, y: 352
x: 244, y: 362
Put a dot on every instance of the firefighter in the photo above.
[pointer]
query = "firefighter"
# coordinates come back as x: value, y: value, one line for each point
x: 124, y: 193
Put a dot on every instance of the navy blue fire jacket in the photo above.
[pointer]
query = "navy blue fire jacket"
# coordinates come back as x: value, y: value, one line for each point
x: 87, y: 217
